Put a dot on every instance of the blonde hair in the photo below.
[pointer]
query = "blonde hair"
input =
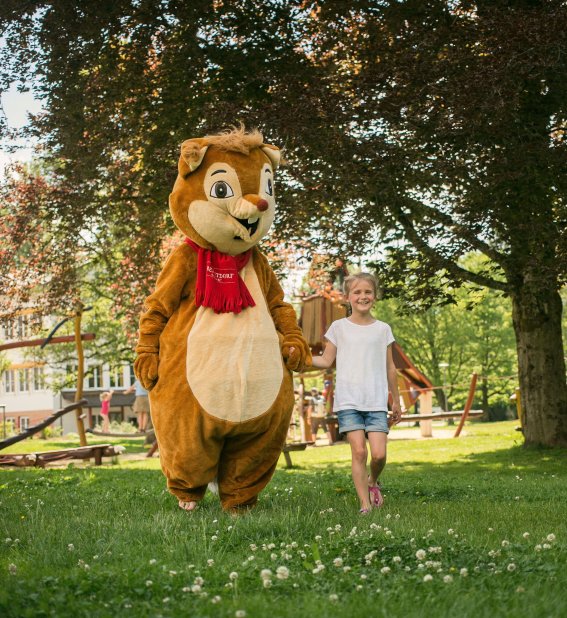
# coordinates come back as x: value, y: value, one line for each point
x: 351, y: 279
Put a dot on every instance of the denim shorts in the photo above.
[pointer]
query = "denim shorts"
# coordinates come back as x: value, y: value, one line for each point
x: 351, y: 420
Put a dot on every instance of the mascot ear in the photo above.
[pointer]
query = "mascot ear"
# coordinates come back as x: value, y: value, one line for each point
x: 273, y: 153
x: 192, y: 153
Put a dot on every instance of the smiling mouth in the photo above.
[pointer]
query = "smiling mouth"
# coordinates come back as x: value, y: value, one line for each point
x: 250, y: 225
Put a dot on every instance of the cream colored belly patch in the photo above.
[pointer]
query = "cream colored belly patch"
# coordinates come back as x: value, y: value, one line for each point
x: 234, y: 364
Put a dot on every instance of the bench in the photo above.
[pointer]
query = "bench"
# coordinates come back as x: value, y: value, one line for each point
x: 294, y: 446
x: 39, y: 460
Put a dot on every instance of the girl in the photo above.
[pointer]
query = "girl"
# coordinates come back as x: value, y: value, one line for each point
x: 362, y: 347
x: 105, y: 410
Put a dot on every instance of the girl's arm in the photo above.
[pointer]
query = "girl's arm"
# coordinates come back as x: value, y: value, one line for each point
x: 327, y: 358
x: 393, y: 386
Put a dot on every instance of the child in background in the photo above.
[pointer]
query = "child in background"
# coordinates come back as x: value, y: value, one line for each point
x: 105, y: 410
x: 362, y: 347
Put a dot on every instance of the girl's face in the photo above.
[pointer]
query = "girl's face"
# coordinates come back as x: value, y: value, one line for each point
x: 361, y: 296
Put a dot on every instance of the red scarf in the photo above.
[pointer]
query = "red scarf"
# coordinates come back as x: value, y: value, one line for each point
x: 218, y: 283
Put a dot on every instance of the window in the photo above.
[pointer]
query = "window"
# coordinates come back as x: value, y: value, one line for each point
x: 8, y: 328
x: 94, y: 376
x: 132, y: 375
x: 38, y: 379
x: 24, y: 423
x: 25, y: 380
x: 10, y: 381
x: 117, y: 377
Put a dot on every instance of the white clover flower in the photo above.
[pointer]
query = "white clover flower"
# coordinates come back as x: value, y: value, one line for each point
x: 186, y: 589
x: 165, y: 600
x: 511, y: 567
x: 149, y: 583
x: 233, y: 576
x: 491, y: 530
x: 464, y: 572
x: 448, y: 579
x: 505, y: 543
x: 214, y: 537
x: 195, y: 588
x: 282, y: 572
x: 407, y: 568
x: 267, y: 583
x: 172, y: 573
x: 333, y: 598
x: 359, y: 587
x: 338, y: 562
x: 353, y: 532
x: 526, y: 535
x: 385, y: 570
x: 388, y: 516
x: 229, y: 585
x: 538, y: 548
x: 435, y: 550
x: 271, y: 546
x: 240, y: 613
x: 12, y: 568
x: 216, y: 599
x: 338, y: 527
x: 318, y: 537
x: 546, y: 546
x: 363, y: 576
x: 450, y: 531
x: 420, y: 554
x: 396, y: 559
x: 71, y: 547
x: 397, y: 516
x: 199, y: 581
x: 520, y: 589
x: 7, y: 540
x: 253, y: 547
x: 346, y: 569
x: 273, y: 556
x: 210, y: 562
x: 551, y: 538
x: 421, y: 565
x: 427, y: 578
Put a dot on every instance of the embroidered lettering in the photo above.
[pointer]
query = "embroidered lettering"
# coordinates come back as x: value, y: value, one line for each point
x: 220, y: 276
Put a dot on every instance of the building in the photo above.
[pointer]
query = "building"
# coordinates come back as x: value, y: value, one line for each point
x: 26, y: 395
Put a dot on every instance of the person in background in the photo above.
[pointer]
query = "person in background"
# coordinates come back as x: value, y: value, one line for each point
x: 141, y: 404
x: 105, y: 410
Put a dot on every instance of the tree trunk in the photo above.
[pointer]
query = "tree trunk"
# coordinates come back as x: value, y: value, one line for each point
x: 541, y: 365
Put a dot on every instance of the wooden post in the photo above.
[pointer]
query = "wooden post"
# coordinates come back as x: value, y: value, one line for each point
x: 468, y: 405
x: 426, y: 407
x: 80, y: 374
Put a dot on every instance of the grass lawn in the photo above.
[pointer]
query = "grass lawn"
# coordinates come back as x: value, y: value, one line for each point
x: 475, y: 526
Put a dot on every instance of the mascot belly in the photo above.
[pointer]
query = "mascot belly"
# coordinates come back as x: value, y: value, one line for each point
x: 217, y: 342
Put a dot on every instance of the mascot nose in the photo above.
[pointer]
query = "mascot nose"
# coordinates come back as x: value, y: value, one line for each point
x: 261, y: 204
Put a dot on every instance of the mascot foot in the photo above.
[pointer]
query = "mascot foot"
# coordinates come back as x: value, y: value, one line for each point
x: 187, y: 506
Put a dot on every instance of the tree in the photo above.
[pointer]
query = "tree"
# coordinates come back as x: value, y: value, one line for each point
x: 430, y: 128
x: 450, y: 342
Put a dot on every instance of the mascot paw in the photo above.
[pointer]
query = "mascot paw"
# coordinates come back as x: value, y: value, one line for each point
x: 296, y: 354
x: 187, y: 506
x: 146, y: 369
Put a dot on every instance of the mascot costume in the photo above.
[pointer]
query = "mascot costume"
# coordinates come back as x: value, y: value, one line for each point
x: 217, y: 342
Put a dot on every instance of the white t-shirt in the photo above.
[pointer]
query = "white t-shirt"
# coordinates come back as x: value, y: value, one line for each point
x: 362, y: 377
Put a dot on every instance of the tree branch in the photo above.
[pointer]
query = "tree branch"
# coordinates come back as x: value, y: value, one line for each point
x: 456, y: 270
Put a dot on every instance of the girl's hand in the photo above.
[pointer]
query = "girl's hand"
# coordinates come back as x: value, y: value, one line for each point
x: 396, y: 413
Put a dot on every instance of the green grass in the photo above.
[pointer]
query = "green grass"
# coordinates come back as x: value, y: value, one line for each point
x: 109, y: 540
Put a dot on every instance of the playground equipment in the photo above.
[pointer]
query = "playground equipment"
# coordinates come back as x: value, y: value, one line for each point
x: 40, y: 459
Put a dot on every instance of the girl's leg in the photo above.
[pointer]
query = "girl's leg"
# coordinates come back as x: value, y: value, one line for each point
x: 357, y: 443
x: 377, y: 441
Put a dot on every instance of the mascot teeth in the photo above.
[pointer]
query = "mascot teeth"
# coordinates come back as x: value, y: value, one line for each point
x: 253, y: 219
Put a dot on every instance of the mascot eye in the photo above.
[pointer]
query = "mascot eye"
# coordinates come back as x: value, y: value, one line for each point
x: 221, y: 189
x: 269, y: 187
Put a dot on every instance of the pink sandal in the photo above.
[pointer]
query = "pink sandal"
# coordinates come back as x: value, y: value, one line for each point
x: 376, y: 497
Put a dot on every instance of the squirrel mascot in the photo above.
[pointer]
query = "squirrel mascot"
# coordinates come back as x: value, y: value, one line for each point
x: 217, y: 343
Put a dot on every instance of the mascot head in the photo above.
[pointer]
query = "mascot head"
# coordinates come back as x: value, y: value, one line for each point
x: 224, y: 196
